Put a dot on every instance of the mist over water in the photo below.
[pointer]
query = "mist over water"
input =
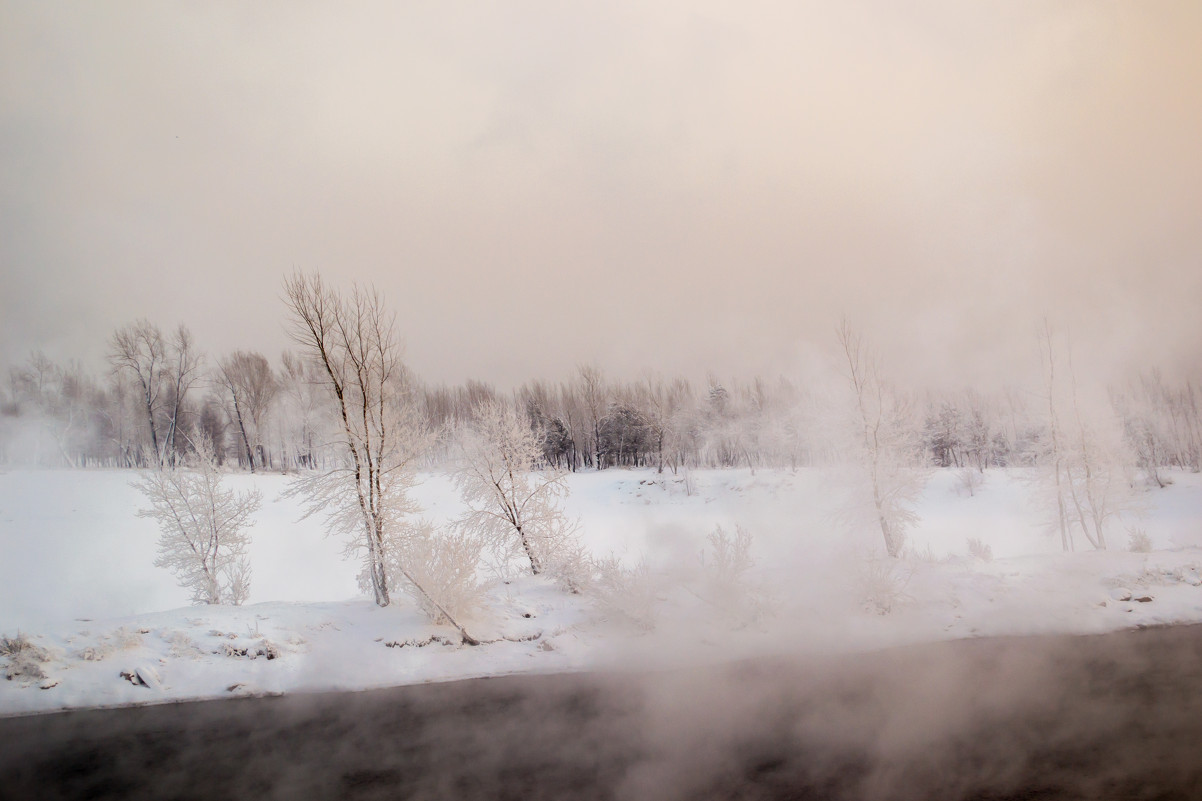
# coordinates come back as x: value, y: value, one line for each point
x: 1100, y: 717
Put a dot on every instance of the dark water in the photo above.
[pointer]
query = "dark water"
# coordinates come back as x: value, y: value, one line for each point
x: 1117, y: 716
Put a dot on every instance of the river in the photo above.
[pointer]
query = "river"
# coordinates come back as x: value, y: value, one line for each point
x: 1115, y: 716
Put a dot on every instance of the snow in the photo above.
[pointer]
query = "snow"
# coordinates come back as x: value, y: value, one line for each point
x: 78, y: 581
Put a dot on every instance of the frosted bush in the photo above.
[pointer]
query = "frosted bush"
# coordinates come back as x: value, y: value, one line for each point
x: 25, y: 659
x: 725, y: 581
x: 437, y: 569
x: 182, y: 645
x: 15, y: 646
x: 627, y: 593
x: 978, y: 549
x: 721, y: 579
x: 124, y: 639
x: 883, y: 584
x: 1138, y: 541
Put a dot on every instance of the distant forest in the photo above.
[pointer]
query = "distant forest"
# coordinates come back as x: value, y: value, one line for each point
x: 161, y: 393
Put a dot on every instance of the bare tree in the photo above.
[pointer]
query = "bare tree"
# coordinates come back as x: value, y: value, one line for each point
x: 203, y: 537
x: 595, y: 397
x: 138, y: 351
x: 1089, y: 466
x: 183, y: 372
x: 251, y: 386
x: 305, y: 410
x: 573, y: 419
x: 882, y: 442
x: 367, y: 495
x: 164, y: 371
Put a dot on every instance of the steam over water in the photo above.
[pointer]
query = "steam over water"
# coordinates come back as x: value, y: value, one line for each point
x: 1102, y: 717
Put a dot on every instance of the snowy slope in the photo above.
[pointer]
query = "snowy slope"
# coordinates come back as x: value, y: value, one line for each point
x: 79, y: 583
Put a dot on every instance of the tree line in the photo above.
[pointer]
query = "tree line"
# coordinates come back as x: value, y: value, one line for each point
x: 161, y: 394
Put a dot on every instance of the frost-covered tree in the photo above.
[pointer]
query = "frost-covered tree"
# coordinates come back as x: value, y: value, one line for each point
x: 64, y: 405
x: 1162, y: 424
x: 1087, y: 466
x: 625, y: 437
x: 364, y: 495
x: 944, y: 435
x: 730, y: 425
x: 556, y: 441
x: 513, y: 506
x: 662, y: 402
x: 203, y: 527
x: 882, y: 443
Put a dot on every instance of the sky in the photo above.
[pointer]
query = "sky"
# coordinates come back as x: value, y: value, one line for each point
x: 677, y: 187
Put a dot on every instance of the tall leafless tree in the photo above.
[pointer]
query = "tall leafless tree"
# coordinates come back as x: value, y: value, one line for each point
x: 354, y: 340
x: 595, y: 397
x: 881, y: 442
x: 251, y: 386
x: 1056, y: 446
x: 138, y: 352
x: 1090, y: 464
x: 183, y: 372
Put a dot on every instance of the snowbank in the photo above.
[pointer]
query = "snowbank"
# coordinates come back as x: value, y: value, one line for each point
x: 80, y: 585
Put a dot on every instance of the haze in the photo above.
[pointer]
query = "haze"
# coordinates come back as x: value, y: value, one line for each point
x: 654, y: 185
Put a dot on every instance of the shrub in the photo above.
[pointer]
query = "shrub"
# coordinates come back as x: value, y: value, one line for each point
x: 1138, y: 541
x: 978, y: 549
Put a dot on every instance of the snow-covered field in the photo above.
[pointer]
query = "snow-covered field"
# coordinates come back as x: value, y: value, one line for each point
x: 77, y: 580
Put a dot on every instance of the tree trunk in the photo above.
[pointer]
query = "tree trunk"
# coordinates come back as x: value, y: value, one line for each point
x: 535, y: 567
x: 250, y: 457
x: 154, y: 437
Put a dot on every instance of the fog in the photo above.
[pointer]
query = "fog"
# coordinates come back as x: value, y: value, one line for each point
x: 672, y: 186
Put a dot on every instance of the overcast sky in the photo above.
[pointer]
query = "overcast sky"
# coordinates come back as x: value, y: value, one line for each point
x: 672, y: 186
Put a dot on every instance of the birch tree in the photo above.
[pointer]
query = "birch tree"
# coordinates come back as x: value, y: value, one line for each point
x: 364, y: 495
